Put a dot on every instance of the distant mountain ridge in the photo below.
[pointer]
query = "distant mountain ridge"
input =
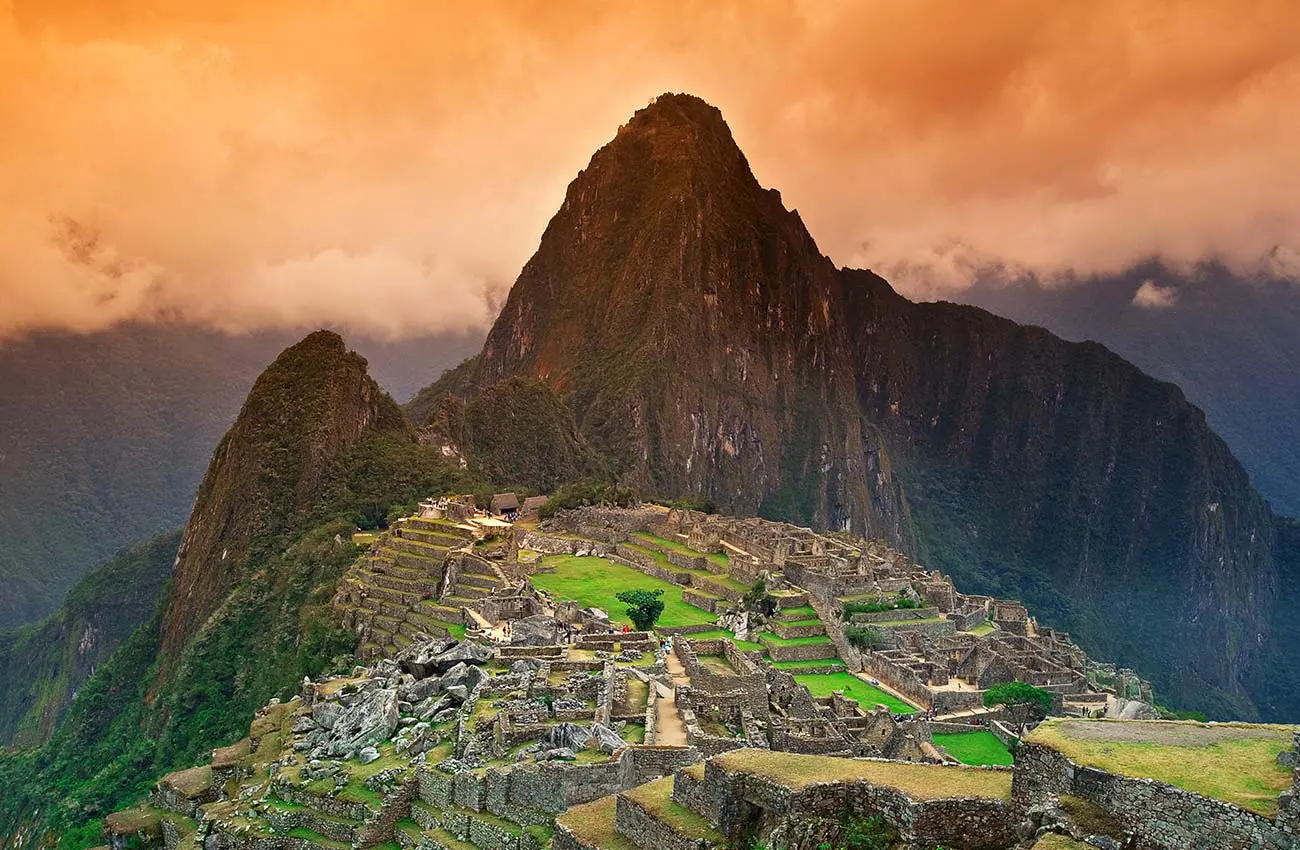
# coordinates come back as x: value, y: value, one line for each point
x: 104, y: 438
x: 705, y: 345
x: 1231, y: 343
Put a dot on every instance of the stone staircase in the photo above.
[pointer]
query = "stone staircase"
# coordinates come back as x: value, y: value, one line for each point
x: 797, y: 634
x: 660, y: 815
x: 473, y: 578
x: 391, y: 595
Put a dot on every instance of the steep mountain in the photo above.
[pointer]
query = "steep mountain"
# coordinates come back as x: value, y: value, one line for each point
x: 310, y: 407
x: 705, y: 345
x: 517, y: 433
x: 316, y: 447
x: 43, y: 665
x: 1229, y: 342
x: 104, y: 438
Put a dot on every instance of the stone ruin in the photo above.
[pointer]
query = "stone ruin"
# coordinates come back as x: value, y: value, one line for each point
x: 449, y: 738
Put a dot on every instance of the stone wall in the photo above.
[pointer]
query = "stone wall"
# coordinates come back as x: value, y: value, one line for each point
x: 899, y: 678
x: 701, y: 599
x: 730, y: 800
x: 1161, y: 816
x: 967, y: 620
x: 801, y: 652
x: 532, y: 793
x: 895, y: 615
x: 929, y: 628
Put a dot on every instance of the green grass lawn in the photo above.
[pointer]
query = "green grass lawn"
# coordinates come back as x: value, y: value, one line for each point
x: 742, y: 645
x: 596, y: 581
x: 977, y: 748
x: 802, y: 612
x: 983, y: 628
x: 822, y: 684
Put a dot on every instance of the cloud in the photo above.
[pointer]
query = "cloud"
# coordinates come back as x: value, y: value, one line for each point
x: 388, y: 166
x: 1153, y: 296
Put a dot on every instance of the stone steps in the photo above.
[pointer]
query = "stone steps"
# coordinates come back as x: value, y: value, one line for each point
x: 430, y: 625
x: 434, y: 538
x: 439, y: 611
x: 416, y: 547
x: 429, y: 564
x: 404, y: 599
x: 465, y: 591
x: 479, y: 581
x: 417, y: 573
x: 441, y: 527
x: 418, y: 586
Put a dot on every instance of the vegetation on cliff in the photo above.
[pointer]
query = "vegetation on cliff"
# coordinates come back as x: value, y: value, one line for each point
x: 43, y: 665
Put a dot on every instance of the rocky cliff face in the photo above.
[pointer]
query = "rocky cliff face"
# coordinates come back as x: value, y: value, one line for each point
x: 704, y: 343
x: 306, y: 410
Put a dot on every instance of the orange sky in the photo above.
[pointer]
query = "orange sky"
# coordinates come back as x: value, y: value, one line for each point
x: 385, y: 165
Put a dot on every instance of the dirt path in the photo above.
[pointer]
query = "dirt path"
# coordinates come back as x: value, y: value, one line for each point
x: 669, y: 731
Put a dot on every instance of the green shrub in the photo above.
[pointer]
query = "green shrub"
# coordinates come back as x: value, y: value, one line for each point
x: 1020, y: 695
x: 643, y: 607
x: 757, y: 599
x: 901, y: 602
x: 863, y: 637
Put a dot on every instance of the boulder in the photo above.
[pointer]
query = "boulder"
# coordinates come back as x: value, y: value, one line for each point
x: 465, y: 652
x: 431, y: 706
x: 568, y: 736
x: 459, y: 693
x: 521, y: 667
x: 562, y: 753
x: 369, y: 721
x: 326, y: 714
x: 420, y: 658
x: 606, y: 738
x: 538, y: 630
x: 367, y: 754
x: 463, y: 675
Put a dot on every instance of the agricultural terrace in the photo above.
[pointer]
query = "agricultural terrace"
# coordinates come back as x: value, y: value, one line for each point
x: 918, y: 781
x: 597, y: 582
x: 867, y: 695
x: 977, y: 748
x: 1230, y: 762
x: 718, y: 558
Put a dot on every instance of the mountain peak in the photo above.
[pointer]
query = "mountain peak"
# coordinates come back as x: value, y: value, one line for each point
x: 304, y: 412
x: 671, y: 110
